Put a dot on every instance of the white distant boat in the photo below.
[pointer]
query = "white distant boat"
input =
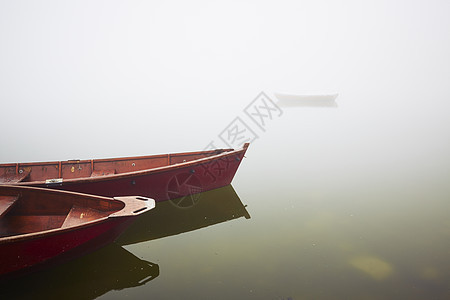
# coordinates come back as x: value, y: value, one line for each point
x: 306, y: 100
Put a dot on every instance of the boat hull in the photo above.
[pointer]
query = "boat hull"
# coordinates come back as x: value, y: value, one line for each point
x: 161, y: 184
x: 26, y: 255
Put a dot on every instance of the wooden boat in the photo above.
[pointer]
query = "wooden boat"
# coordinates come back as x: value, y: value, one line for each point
x: 306, y: 100
x: 161, y: 177
x: 39, y: 226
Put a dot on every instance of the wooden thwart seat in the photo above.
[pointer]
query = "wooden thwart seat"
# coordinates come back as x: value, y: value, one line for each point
x: 6, y: 203
x: 78, y: 215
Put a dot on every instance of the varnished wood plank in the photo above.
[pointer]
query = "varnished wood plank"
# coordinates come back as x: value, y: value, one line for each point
x: 14, y: 225
x: 78, y: 215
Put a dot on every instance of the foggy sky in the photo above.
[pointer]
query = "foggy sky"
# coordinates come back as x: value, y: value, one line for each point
x: 93, y: 79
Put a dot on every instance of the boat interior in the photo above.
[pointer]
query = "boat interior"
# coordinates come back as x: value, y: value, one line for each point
x: 27, y: 211
x: 72, y: 169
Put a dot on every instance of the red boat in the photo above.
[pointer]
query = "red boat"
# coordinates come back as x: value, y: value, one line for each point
x: 39, y: 226
x: 161, y: 177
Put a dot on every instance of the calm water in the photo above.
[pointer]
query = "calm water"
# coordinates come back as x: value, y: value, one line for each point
x: 346, y: 202
x: 280, y: 232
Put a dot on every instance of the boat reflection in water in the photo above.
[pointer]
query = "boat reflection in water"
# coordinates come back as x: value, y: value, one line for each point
x: 88, y: 277
x: 186, y: 214
x: 113, y: 267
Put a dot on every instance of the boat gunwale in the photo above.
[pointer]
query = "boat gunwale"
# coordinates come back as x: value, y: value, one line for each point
x: 138, y: 172
x: 111, y: 159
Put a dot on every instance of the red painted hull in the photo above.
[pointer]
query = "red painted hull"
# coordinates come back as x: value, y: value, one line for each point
x: 26, y: 254
x: 162, y: 183
x: 43, y: 226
